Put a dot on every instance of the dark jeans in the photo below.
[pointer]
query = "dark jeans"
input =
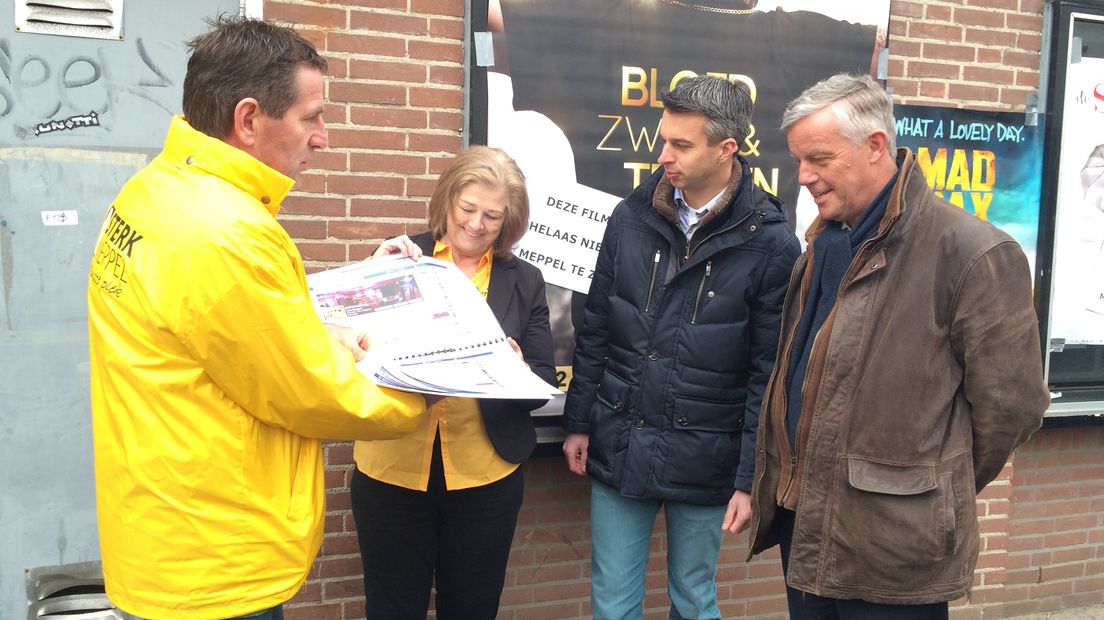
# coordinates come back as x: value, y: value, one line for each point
x: 407, y: 538
x: 805, y: 606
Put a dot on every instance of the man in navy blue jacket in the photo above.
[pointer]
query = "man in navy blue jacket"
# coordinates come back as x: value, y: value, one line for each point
x: 677, y: 343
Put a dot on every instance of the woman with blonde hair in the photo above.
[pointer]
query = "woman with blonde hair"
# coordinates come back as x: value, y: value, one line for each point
x: 441, y: 504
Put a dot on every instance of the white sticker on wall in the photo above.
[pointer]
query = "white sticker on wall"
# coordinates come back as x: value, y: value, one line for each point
x: 59, y: 218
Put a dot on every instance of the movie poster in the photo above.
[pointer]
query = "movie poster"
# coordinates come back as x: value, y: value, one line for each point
x: 987, y: 163
x: 573, y: 96
x: 1077, y: 302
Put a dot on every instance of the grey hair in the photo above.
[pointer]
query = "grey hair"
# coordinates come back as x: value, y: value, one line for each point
x: 860, y: 104
x: 726, y: 104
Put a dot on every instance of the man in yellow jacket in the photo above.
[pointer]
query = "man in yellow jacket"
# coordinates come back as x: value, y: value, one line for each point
x: 213, y: 380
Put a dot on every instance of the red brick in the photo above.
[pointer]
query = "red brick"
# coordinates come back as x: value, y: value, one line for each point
x: 335, y: 114
x: 436, y: 97
x: 308, y: 204
x: 988, y: 56
x: 446, y: 74
x: 447, y: 28
x: 309, y: 182
x: 453, y: 8
x: 339, y: 453
x: 390, y: 71
x: 1027, y: 79
x: 451, y: 121
x: 356, y: 92
x: 317, y: 38
x: 336, y: 67
x: 939, y: 32
x: 937, y: 13
x: 420, y: 187
x: 1031, y: 42
x: 917, y: 69
x: 1013, y: 98
x: 985, y: 36
x: 905, y: 8
x: 944, y: 51
x: 904, y: 88
x: 971, y: 92
x: 330, y: 568
x: 349, y: 229
x: 1027, y: 23
x: 389, y: 23
x: 367, y: 139
x: 372, y: 185
x: 339, y: 544
x: 400, y: 164
x: 365, y: 44
x: 435, y: 143
x: 974, y: 17
x: 329, y: 160
x: 988, y: 75
x: 389, y: 117
x: 1027, y: 60
x: 304, y: 229
x: 437, y: 51
x: 343, y: 588
x: 304, y: 14
x: 331, y: 252
x: 1008, y: 5
x: 935, y: 90
x: 370, y: 207
x: 378, y: 4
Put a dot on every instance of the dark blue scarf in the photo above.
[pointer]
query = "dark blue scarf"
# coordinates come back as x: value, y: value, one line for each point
x: 833, y: 250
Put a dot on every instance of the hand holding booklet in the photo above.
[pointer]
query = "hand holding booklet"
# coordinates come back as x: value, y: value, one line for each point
x: 431, y: 331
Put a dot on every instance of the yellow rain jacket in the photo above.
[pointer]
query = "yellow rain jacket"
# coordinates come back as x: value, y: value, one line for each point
x: 213, y: 381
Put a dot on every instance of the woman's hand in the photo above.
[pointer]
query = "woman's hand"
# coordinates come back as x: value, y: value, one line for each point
x: 516, y: 348
x: 398, y: 245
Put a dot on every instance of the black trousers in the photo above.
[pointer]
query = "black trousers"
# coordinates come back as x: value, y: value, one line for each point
x: 805, y: 606
x: 407, y: 538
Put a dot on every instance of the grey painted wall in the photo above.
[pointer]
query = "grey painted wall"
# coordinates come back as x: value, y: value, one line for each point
x: 130, y: 88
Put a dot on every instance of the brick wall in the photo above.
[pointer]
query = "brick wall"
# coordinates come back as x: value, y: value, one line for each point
x: 1056, y: 533
x: 395, y: 93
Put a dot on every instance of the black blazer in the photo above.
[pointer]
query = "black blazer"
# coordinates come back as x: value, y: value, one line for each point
x: 517, y: 299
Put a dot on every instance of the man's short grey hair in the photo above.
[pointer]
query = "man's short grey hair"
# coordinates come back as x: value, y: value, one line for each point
x: 860, y: 104
x: 726, y: 104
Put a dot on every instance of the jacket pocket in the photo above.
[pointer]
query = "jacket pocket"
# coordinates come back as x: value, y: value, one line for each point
x: 609, y: 423
x: 704, y: 443
x: 894, y: 527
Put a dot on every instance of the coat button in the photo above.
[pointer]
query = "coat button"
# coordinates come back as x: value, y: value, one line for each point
x: 640, y: 423
x: 189, y: 160
x: 653, y: 355
x: 753, y: 228
x: 683, y: 420
x: 618, y: 405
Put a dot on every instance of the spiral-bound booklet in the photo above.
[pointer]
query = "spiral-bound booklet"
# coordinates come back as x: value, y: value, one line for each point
x: 430, y: 329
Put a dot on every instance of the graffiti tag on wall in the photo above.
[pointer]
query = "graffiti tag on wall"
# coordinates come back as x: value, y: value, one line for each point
x: 82, y: 89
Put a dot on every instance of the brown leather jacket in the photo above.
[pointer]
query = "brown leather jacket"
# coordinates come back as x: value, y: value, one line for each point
x: 926, y: 375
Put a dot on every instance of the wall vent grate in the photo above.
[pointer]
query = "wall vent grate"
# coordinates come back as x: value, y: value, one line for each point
x: 97, y: 19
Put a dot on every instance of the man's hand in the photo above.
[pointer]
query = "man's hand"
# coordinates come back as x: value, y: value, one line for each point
x: 575, y: 451
x: 398, y: 245
x: 355, y: 340
x: 738, y: 515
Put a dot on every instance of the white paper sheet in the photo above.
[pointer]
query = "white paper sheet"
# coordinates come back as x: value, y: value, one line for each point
x: 431, y: 331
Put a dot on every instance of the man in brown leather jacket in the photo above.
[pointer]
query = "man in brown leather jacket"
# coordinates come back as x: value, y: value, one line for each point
x: 908, y: 370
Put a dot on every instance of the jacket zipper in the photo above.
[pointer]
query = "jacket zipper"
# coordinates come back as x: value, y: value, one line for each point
x: 689, y: 251
x: 701, y: 287
x: 651, y: 286
x: 803, y: 425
